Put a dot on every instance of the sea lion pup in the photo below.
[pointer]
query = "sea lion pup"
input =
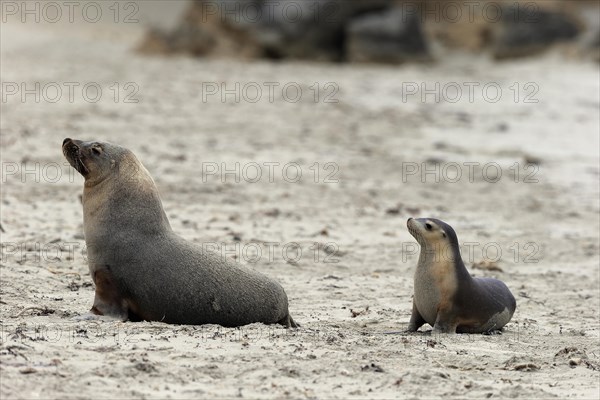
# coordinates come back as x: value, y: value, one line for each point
x: 143, y: 270
x: 446, y: 296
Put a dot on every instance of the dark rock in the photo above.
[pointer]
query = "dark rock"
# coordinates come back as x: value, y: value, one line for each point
x: 595, y: 39
x: 388, y: 36
x: 371, y: 368
x: 590, y: 41
x: 257, y: 28
x: 368, y: 30
x: 312, y: 29
x: 524, y: 33
x: 209, y: 28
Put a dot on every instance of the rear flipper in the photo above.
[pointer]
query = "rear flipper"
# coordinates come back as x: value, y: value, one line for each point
x: 288, y: 322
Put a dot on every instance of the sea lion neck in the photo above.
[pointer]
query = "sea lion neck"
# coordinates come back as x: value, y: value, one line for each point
x: 91, y: 182
x: 438, y: 251
x: 129, y: 195
x: 441, y: 251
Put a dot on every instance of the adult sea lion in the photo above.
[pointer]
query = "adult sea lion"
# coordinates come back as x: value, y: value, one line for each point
x: 142, y: 269
x: 446, y: 296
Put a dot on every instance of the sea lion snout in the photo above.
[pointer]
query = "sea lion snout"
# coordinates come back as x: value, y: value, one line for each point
x: 410, y: 222
x: 414, y: 227
x: 71, y: 147
x: 72, y: 152
x: 417, y: 223
x: 68, y: 142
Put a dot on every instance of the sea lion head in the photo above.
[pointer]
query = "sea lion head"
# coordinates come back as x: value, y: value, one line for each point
x: 432, y: 233
x: 95, y: 161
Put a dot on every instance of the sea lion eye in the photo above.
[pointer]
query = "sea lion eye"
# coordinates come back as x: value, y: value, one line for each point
x: 97, y: 150
x: 428, y: 226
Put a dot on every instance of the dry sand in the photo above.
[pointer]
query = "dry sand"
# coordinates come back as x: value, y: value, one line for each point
x: 550, y: 348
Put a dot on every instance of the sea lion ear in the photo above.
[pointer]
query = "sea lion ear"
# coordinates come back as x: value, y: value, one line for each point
x: 443, y: 234
x: 113, y: 163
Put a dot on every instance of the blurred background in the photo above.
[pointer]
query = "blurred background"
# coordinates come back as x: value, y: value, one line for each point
x: 325, y: 124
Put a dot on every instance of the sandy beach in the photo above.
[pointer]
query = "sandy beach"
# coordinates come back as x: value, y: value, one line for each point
x: 306, y: 172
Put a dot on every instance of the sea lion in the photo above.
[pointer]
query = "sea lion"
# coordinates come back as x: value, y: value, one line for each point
x: 446, y: 296
x: 142, y: 270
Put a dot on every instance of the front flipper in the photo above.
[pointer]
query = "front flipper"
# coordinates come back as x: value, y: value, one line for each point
x: 445, y: 322
x: 416, y: 320
x: 108, y: 299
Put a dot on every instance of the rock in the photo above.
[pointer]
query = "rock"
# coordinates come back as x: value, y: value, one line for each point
x: 590, y: 40
x: 390, y: 31
x: 391, y: 36
x: 371, y: 368
x: 208, y: 28
x: 522, y: 363
x: 595, y: 39
x: 524, y: 33
x: 593, y: 48
x: 186, y: 39
x: 256, y: 28
x: 301, y: 30
x: 312, y: 29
